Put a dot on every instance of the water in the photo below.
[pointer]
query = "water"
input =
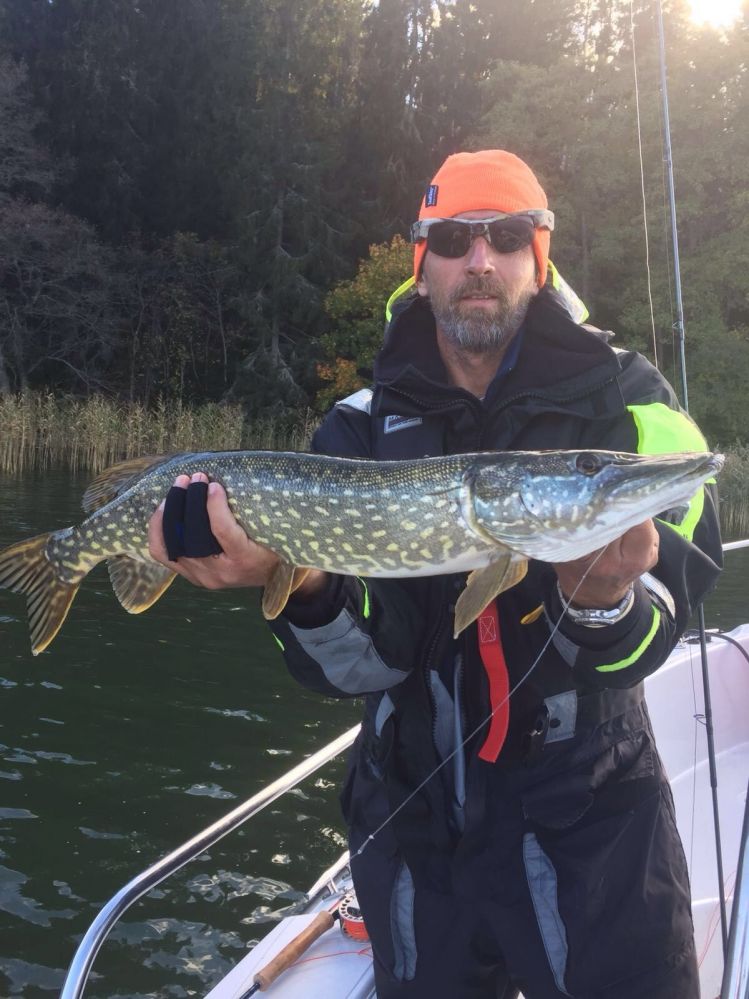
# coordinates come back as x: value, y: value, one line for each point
x: 129, y: 736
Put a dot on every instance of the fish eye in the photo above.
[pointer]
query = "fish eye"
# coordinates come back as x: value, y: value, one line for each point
x: 588, y: 463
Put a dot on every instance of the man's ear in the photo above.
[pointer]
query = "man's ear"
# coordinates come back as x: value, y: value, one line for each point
x: 421, y: 285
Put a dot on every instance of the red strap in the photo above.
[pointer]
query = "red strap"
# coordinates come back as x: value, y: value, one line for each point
x: 493, y: 658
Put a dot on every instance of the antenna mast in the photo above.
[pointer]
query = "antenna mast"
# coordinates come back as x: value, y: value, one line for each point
x: 678, y: 327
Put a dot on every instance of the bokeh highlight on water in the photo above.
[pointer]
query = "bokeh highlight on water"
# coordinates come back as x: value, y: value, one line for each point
x: 128, y: 736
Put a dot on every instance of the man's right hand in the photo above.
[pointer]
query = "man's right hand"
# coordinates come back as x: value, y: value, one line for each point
x: 241, y: 563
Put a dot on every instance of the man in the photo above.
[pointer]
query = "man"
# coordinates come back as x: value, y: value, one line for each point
x: 547, y: 860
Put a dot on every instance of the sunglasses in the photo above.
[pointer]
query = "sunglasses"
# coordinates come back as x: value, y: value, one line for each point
x: 505, y: 233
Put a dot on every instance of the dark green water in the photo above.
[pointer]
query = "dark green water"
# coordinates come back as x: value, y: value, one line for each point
x: 129, y: 736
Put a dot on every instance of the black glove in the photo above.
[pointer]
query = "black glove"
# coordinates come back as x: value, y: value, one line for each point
x: 187, y: 530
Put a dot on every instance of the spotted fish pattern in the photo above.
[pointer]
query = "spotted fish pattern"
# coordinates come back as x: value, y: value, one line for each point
x: 485, y: 514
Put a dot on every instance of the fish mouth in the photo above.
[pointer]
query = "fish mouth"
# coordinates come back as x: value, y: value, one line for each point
x: 675, y: 484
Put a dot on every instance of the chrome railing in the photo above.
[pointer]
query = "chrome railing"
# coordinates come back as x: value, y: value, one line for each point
x: 99, y: 930
x: 736, y: 971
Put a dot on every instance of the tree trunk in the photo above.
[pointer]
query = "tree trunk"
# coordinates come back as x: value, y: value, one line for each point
x: 5, y: 386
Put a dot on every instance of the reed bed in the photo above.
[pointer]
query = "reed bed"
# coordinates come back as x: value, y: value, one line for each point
x: 38, y: 431
x: 733, y: 485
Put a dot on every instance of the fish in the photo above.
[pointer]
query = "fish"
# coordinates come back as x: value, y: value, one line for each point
x: 484, y: 513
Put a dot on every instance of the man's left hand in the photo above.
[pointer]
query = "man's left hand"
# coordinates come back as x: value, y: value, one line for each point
x: 605, y: 575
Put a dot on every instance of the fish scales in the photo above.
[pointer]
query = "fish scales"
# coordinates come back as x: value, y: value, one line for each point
x: 485, y: 513
x: 337, y: 514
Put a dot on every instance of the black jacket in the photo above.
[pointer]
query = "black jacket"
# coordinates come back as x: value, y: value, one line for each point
x: 391, y: 640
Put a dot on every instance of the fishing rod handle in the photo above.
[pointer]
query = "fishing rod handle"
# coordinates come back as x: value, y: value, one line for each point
x: 294, y: 949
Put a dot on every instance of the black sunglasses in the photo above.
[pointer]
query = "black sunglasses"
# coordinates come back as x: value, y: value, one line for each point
x: 505, y: 233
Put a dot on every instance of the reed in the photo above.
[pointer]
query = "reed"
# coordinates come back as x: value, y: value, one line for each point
x: 733, y: 486
x: 38, y: 430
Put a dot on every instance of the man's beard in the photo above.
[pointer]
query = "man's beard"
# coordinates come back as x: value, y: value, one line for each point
x: 476, y: 329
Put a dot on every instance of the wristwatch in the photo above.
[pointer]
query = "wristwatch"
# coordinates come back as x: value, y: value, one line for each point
x: 595, y: 617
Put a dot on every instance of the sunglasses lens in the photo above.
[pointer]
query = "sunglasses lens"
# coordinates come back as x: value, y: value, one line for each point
x: 453, y: 239
x: 511, y: 235
x: 449, y: 239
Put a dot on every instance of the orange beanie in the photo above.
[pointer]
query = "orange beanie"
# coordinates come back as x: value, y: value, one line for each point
x: 491, y: 179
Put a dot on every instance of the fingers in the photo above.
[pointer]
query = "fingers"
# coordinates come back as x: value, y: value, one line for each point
x: 195, y: 534
x: 223, y: 523
x: 639, y: 547
x: 602, y: 578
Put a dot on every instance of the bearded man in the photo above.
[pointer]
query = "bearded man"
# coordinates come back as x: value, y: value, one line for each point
x: 535, y: 851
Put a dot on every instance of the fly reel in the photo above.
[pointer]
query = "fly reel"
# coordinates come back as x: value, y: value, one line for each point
x: 352, y: 921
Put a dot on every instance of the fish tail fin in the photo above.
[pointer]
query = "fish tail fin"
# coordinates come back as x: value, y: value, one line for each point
x: 25, y: 568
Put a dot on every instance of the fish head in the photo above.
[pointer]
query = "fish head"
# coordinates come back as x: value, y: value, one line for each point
x: 561, y: 505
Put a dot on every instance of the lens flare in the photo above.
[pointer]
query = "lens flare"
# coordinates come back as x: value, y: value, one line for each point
x: 716, y: 13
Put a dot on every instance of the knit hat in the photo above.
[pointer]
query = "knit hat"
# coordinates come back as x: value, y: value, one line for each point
x: 491, y: 179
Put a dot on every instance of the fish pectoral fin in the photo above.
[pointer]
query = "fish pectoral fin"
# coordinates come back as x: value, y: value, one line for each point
x: 25, y: 568
x: 138, y: 585
x: 299, y: 577
x: 484, y: 585
x: 112, y: 481
x: 281, y: 584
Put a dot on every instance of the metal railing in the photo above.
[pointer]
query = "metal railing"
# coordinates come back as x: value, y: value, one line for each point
x: 736, y: 971
x: 80, y: 966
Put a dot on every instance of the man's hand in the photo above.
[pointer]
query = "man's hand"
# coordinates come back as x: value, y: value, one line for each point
x: 611, y: 574
x: 242, y: 562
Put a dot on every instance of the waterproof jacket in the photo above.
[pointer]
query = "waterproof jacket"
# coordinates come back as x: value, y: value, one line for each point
x: 391, y: 642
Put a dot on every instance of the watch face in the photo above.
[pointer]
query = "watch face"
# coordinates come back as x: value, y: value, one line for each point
x: 594, y: 617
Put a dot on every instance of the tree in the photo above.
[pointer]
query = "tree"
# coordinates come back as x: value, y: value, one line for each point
x: 356, y: 312
x: 179, y: 327
x: 576, y: 123
x: 293, y: 233
x: 25, y: 168
x: 57, y: 329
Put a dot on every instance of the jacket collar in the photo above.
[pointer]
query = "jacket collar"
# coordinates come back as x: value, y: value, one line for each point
x: 557, y: 358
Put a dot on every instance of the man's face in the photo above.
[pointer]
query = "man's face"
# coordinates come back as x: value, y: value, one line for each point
x: 479, y: 300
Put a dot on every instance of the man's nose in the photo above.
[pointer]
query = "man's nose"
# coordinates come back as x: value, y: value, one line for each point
x: 479, y: 257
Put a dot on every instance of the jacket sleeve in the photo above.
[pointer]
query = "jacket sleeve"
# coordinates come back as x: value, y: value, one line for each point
x: 359, y: 635
x: 690, y: 553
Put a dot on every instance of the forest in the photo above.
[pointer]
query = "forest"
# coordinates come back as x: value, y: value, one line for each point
x: 205, y: 201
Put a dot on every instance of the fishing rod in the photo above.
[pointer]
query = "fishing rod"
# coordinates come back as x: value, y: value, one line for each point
x: 678, y: 327
x: 267, y: 975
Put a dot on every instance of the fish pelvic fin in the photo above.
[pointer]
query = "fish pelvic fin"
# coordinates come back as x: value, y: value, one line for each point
x: 25, y: 568
x: 282, y: 582
x: 138, y: 585
x: 484, y: 585
x: 115, y: 479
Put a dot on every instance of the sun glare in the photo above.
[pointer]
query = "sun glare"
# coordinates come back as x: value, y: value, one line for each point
x: 716, y: 13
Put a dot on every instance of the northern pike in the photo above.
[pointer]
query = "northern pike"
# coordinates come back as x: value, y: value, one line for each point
x: 486, y: 514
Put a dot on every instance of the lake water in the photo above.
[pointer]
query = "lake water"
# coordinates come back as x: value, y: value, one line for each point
x: 131, y: 734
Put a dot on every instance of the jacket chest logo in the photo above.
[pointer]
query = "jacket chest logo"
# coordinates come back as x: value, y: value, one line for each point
x: 393, y: 423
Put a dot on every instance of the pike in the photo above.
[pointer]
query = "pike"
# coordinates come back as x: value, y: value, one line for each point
x: 486, y: 514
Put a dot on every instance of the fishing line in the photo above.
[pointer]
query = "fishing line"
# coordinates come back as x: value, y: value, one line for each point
x: 642, y: 181
x: 458, y: 749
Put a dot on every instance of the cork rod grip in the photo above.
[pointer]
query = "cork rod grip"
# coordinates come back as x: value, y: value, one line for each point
x: 293, y: 950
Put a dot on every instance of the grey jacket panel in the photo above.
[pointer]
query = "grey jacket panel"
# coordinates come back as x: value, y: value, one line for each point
x: 347, y: 656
